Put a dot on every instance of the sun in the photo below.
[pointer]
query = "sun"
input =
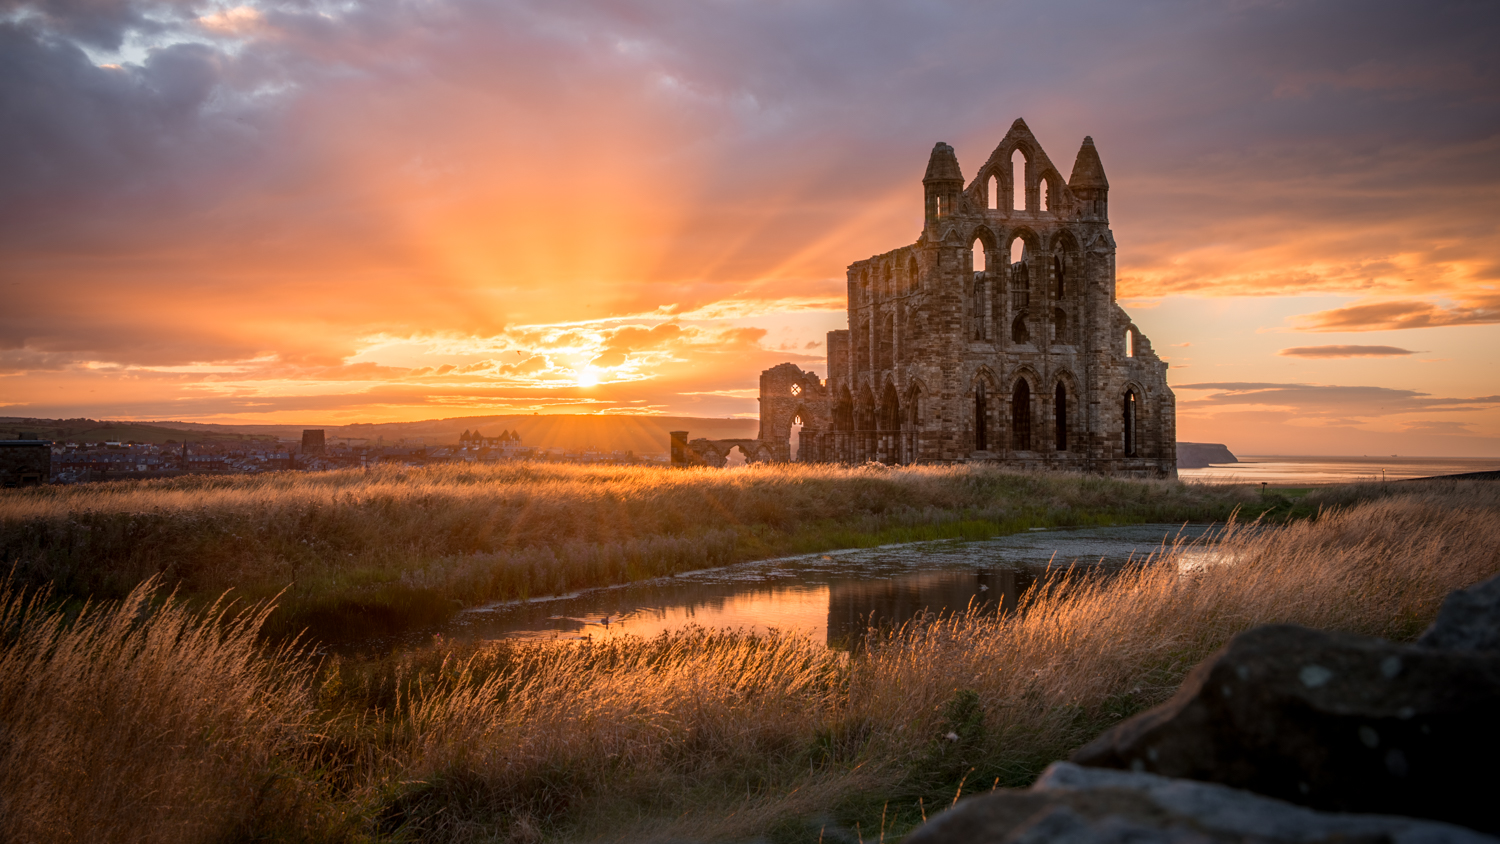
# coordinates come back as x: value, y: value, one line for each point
x: 589, y: 377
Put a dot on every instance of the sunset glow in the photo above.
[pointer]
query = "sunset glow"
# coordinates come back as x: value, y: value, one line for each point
x: 327, y: 213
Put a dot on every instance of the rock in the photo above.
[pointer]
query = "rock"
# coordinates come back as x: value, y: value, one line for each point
x: 1070, y: 804
x: 1329, y: 720
x: 1468, y: 621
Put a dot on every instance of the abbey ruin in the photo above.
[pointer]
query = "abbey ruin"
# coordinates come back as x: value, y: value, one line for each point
x: 994, y: 337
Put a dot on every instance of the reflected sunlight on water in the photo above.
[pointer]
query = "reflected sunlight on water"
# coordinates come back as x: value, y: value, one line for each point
x: 800, y: 608
x: 1309, y: 471
x: 831, y: 597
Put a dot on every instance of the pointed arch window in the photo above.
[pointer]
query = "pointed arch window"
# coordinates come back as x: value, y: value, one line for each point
x: 1060, y: 413
x: 862, y: 341
x: 1020, y: 416
x: 1129, y: 413
x: 979, y: 308
x: 1019, y: 333
x: 1020, y: 287
x: 887, y: 346
x: 1018, y: 180
x: 981, y: 441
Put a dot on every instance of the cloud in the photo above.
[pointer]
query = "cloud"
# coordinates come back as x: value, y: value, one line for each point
x: 1280, y: 432
x: 1345, y: 352
x: 239, y: 20
x: 259, y: 188
x: 1327, y: 401
x: 1429, y: 426
x: 1400, y: 314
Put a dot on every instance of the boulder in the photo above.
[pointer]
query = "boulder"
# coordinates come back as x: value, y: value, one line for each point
x: 1328, y: 720
x: 1070, y: 804
x: 1468, y: 621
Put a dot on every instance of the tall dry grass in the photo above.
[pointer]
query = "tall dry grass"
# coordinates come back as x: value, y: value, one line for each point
x: 698, y: 735
x: 360, y: 553
x: 1086, y: 650
x: 129, y: 722
x: 720, y: 736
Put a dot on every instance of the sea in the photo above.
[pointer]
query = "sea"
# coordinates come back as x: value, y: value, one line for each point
x: 1287, y: 470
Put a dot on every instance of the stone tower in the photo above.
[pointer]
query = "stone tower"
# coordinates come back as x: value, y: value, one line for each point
x: 994, y: 337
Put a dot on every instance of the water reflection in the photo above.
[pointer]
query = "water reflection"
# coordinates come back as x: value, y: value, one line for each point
x: 650, y: 611
x: 831, y: 597
x: 857, y: 605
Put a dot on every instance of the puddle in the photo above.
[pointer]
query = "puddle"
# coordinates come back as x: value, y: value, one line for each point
x: 829, y: 596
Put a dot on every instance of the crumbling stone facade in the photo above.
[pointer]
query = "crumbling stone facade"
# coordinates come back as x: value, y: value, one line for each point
x: 793, y: 401
x: 994, y: 337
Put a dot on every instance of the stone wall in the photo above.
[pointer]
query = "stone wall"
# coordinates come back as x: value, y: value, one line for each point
x: 791, y: 397
x: 715, y: 453
x: 25, y: 462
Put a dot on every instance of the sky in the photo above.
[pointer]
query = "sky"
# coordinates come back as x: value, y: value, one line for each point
x: 331, y: 212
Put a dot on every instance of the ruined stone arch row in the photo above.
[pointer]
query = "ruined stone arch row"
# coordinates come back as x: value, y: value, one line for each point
x: 1014, y: 413
x: 893, y: 274
x: 1025, y: 411
x: 1061, y: 242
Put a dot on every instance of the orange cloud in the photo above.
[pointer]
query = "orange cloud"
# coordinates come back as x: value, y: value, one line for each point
x: 1344, y: 351
x: 1330, y: 402
x: 1399, y: 314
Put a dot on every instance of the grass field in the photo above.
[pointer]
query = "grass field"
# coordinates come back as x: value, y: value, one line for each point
x: 176, y: 724
x: 359, y: 553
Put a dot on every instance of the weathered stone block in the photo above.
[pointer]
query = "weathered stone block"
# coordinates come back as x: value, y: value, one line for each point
x: 1328, y: 720
x: 1469, y: 619
x: 1070, y: 804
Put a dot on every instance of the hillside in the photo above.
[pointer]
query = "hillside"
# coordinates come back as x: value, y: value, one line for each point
x: 95, y: 431
x: 1203, y: 455
x: 641, y: 434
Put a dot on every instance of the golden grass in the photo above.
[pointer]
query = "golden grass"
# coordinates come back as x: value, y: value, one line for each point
x: 699, y: 735
x: 728, y: 729
x: 360, y: 553
x: 116, y: 726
